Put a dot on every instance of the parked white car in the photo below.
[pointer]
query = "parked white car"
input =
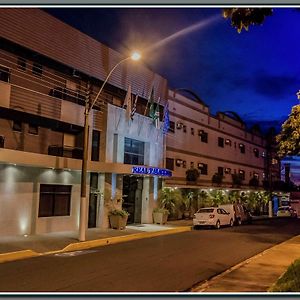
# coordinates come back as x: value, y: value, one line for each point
x: 212, y: 216
x: 286, y: 211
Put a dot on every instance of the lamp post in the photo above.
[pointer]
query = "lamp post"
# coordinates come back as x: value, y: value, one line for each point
x: 83, y: 200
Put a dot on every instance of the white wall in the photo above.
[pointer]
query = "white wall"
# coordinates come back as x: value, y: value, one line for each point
x: 19, y: 200
x: 141, y: 128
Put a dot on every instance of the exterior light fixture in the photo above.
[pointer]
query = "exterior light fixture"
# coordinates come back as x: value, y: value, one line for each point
x: 135, y: 56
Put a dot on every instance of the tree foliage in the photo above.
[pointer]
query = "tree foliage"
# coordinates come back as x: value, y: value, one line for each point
x: 289, y: 137
x: 244, y: 17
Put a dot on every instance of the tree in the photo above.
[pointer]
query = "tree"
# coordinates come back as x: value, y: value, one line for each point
x: 289, y: 137
x: 244, y: 17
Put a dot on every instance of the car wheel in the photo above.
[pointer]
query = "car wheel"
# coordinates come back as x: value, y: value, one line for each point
x: 231, y: 223
x: 239, y: 221
x: 218, y: 225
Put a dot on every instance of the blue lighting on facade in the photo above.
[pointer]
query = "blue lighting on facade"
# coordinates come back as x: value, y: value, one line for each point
x: 151, y: 171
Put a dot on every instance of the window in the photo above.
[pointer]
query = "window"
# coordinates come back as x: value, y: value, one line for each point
x: 256, y: 152
x: 184, y: 164
x: 37, y: 69
x: 55, y: 200
x: 242, y: 148
x: 220, y: 142
x: 184, y: 128
x: 2, y: 139
x: 133, y: 152
x: 192, y: 131
x: 204, y: 136
x: 4, y: 74
x: 179, y: 162
x: 220, y: 170
x: 95, y: 145
x: 202, y: 168
x: 33, y: 129
x: 192, y: 164
x: 256, y: 175
x: 21, y: 63
x: 170, y: 163
x: 172, y: 127
x: 17, y: 126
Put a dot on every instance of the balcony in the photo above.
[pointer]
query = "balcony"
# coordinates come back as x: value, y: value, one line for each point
x: 64, y: 151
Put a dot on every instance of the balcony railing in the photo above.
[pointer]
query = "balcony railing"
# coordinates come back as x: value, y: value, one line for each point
x: 64, y: 151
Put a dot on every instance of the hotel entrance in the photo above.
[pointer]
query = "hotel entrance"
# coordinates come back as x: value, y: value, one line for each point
x: 132, y: 195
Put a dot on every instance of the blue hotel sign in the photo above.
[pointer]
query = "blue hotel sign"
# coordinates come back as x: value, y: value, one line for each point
x: 151, y: 171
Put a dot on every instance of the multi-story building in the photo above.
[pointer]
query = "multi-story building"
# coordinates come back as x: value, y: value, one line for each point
x: 48, y: 70
x: 212, y: 144
x: 45, y: 67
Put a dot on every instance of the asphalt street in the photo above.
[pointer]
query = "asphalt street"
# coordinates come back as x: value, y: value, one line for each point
x: 162, y: 264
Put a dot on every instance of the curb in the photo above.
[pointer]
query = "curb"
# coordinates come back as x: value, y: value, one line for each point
x: 17, y: 255
x: 122, y: 239
x: 202, y: 287
x: 12, y: 256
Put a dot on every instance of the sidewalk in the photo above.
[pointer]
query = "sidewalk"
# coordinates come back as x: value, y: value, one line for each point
x: 19, y: 247
x: 256, y: 274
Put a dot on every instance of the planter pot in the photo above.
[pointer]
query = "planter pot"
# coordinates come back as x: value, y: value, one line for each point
x: 160, y: 218
x: 186, y: 214
x: 118, y: 222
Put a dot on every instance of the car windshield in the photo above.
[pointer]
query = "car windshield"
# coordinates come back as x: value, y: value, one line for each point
x: 205, y: 210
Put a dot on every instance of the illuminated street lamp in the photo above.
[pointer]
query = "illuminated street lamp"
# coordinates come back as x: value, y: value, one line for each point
x: 83, y: 200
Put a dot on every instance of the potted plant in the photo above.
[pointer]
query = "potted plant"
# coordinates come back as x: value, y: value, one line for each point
x: 118, y: 218
x: 187, y: 201
x: 192, y: 175
x: 217, y: 179
x: 160, y: 215
x: 169, y: 198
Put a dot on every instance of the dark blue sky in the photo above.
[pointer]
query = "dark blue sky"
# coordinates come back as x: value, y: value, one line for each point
x: 255, y: 73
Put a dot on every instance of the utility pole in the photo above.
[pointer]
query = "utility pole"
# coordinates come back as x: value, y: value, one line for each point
x: 83, y: 198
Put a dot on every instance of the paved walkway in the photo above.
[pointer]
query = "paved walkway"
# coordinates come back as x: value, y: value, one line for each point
x: 257, y: 274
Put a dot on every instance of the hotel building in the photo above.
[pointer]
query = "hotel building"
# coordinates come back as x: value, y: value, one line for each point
x: 47, y: 71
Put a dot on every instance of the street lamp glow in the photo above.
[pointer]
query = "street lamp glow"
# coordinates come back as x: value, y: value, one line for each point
x: 135, y: 56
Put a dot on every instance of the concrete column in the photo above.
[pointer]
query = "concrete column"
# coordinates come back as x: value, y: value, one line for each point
x: 270, y: 209
x: 148, y: 202
x: 111, y: 189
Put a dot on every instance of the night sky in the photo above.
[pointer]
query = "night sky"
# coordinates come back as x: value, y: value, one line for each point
x: 254, y: 73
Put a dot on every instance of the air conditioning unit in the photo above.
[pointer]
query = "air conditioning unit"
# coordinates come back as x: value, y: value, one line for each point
x: 179, y: 125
